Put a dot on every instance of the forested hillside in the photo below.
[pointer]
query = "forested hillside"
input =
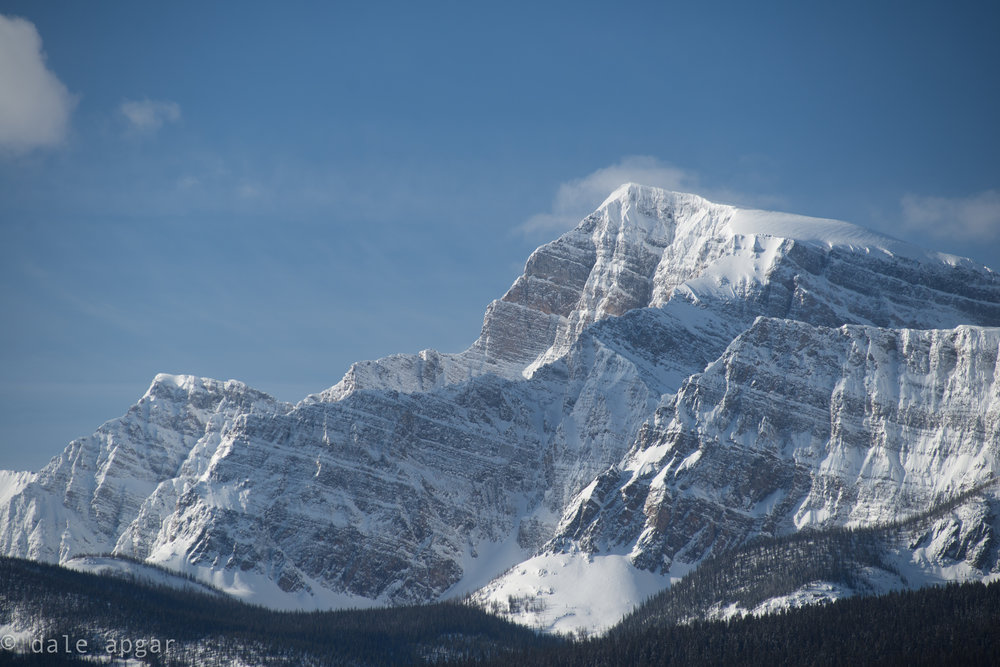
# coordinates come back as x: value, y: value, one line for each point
x: 45, y: 601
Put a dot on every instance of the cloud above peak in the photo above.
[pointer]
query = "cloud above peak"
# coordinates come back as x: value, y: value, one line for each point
x: 35, y: 106
x: 972, y: 218
x: 147, y: 116
x: 577, y: 198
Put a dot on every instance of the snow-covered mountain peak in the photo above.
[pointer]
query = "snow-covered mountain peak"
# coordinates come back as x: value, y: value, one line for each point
x: 646, y: 207
x: 188, y: 388
x: 628, y: 191
x: 638, y: 193
x: 634, y: 207
x: 645, y: 247
x: 191, y: 384
x: 166, y: 385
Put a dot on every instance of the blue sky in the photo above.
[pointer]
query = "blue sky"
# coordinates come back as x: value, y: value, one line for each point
x: 271, y: 192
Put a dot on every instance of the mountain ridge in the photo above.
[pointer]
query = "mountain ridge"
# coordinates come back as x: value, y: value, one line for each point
x: 422, y: 476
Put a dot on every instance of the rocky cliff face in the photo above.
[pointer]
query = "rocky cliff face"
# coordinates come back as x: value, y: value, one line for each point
x: 665, y: 381
x: 794, y: 427
x: 797, y: 426
x: 84, y: 499
x: 381, y: 496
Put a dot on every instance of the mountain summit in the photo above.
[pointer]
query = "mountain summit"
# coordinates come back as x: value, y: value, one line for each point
x: 666, y: 382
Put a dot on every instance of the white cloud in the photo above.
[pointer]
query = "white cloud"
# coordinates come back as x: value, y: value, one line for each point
x: 148, y: 116
x: 34, y: 104
x: 975, y: 218
x: 576, y: 199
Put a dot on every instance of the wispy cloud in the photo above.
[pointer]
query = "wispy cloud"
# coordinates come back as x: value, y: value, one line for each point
x: 34, y: 104
x: 577, y: 198
x: 147, y: 116
x: 973, y: 218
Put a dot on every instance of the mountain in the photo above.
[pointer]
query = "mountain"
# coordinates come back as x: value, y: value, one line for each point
x: 663, y: 384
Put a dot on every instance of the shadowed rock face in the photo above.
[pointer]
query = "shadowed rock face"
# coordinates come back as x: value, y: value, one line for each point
x: 624, y: 394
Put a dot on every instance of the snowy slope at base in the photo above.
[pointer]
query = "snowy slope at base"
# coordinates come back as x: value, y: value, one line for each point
x: 480, y: 566
x: 570, y: 592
